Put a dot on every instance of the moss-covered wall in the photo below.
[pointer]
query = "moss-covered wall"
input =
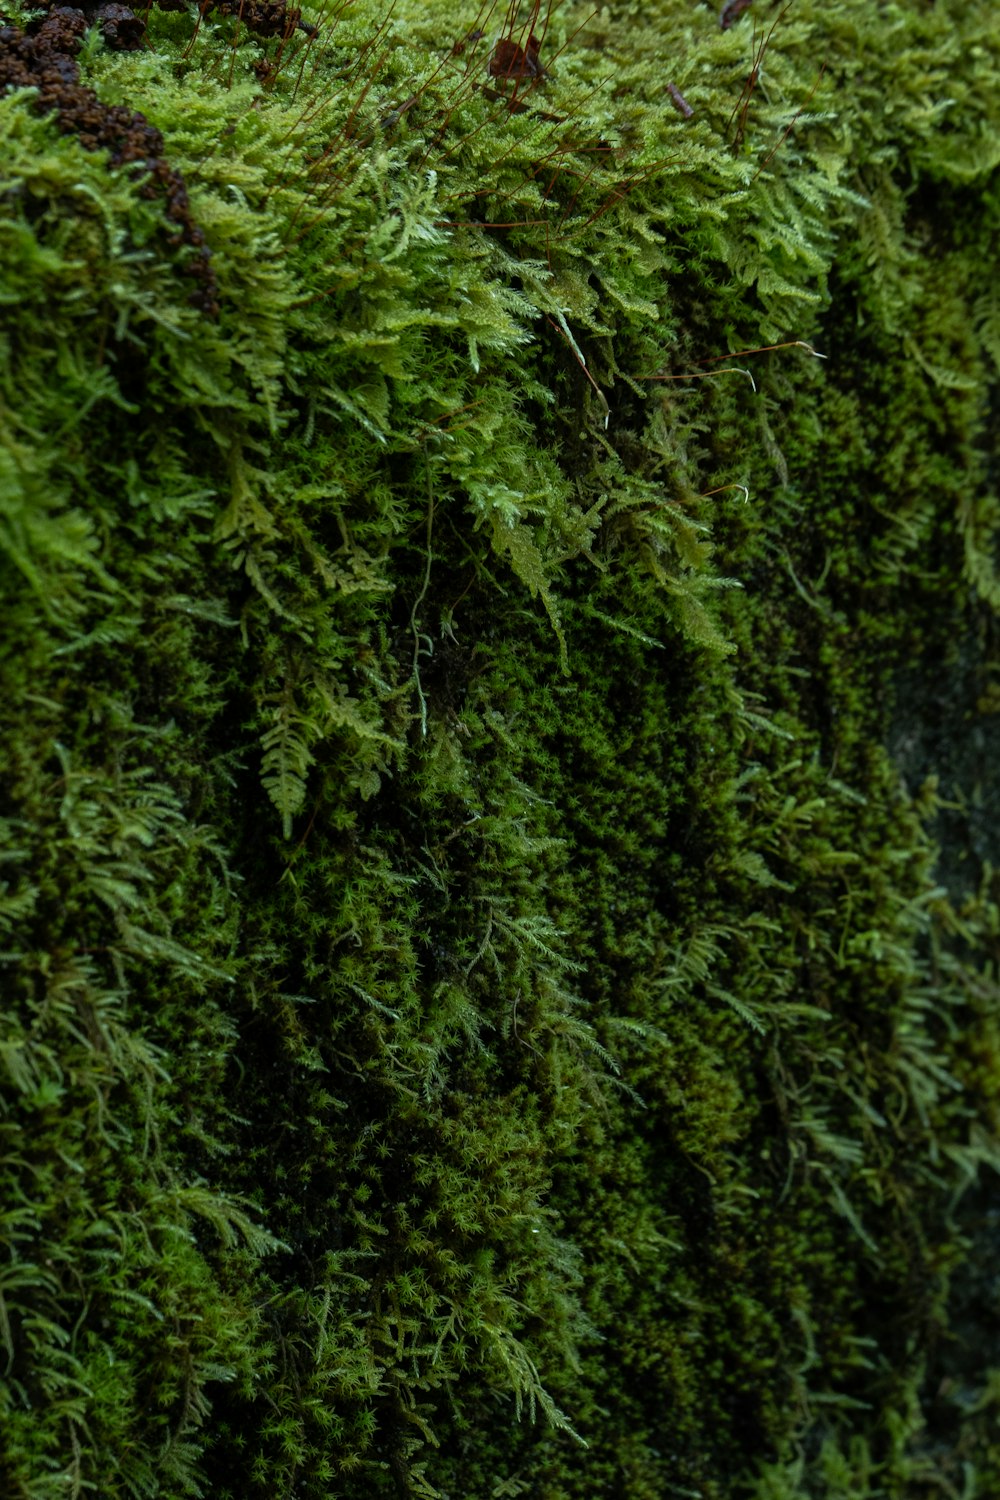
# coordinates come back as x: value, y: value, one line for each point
x: 483, y: 1010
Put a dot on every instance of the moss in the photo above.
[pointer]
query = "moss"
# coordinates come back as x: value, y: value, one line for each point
x: 486, y: 1012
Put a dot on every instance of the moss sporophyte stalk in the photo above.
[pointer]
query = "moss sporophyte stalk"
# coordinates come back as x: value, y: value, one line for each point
x: 498, y: 786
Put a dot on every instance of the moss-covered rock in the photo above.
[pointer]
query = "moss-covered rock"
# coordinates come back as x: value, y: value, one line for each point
x: 490, y: 652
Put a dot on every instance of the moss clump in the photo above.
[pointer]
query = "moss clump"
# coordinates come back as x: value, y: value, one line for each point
x: 484, y: 1012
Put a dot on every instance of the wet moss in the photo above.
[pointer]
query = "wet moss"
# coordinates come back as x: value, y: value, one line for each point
x: 496, y: 1001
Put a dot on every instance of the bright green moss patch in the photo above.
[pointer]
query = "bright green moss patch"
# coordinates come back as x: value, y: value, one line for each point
x: 485, y: 1012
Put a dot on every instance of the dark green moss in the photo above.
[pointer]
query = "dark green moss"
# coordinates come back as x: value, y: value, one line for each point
x: 485, y: 1009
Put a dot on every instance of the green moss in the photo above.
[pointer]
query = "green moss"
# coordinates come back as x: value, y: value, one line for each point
x: 485, y: 1012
